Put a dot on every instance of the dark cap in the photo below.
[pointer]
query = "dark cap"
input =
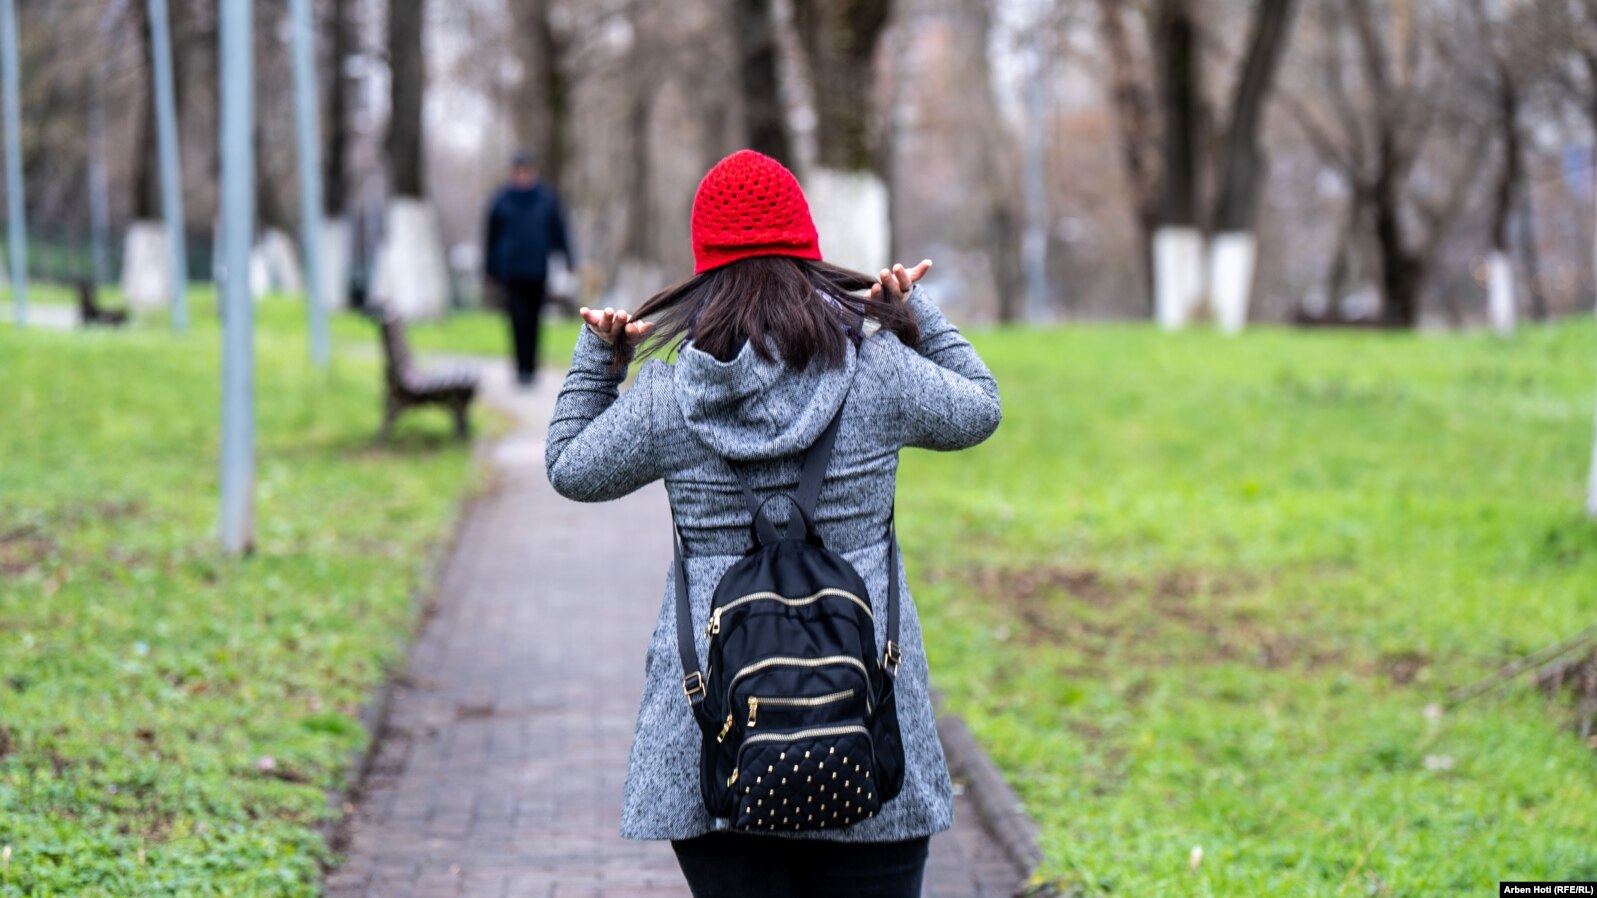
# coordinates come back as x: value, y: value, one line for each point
x: 521, y: 157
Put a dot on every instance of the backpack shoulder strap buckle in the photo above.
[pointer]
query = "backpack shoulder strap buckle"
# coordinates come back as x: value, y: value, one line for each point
x: 693, y: 687
x: 891, y: 658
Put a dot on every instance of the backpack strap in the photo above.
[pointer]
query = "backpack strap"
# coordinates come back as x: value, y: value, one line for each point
x: 812, y: 476
x: 692, y: 679
x: 764, y: 530
x: 809, y: 492
x: 891, y: 655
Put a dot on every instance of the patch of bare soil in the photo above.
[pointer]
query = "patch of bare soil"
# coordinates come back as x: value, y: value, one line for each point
x: 22, y: 548
x: 1189, y: 604
x: 1403, y: 668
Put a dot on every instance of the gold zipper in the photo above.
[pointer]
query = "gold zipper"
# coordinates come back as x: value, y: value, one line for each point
x: 807, y: 734
x: 802, y: 600
x: 714, y: 626
x: 755, y: 702
x: 725, y: 728
x: 794, y: 662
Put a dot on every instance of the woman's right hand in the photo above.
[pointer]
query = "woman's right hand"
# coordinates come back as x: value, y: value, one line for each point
x: 898, y: 281
x: 609, y: 325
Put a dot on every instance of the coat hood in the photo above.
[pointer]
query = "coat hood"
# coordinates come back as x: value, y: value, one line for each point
x: 748, y: 409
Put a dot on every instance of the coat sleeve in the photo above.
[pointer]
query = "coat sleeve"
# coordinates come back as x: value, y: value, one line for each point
x: 490, y: 240
x: 601, y: 442
x: 949, y: 399
x: 561, y: 238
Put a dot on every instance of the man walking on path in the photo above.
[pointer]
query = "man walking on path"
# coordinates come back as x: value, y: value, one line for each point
x: 525, y: 225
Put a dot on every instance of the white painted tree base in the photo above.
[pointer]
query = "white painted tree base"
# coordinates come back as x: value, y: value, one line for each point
x: 1231, y: 260
x: 1500, y: 305
x: 335, y: 259
x: 146, y: 265
x: 412, y: 278
x: 1177, y: 275
x: 274, y: 265
x: 850, y: 212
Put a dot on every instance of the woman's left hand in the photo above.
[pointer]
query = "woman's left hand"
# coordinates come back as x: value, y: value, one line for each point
x: 610, y: 325
x: 898, y: 281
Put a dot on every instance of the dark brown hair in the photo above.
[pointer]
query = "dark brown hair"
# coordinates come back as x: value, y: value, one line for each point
x: 797, y: 310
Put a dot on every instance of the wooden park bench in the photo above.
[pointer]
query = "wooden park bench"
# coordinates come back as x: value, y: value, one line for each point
x: 90, y: 312
x: 408, y: 387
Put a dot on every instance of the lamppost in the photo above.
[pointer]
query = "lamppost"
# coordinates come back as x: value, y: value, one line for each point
x: 237, y: 525
x: 17, y: 228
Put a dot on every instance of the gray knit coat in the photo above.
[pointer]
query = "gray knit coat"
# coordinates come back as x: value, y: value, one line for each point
x: 678, y: 421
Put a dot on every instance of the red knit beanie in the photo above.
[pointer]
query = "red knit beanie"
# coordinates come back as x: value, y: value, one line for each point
x: 750, y: 205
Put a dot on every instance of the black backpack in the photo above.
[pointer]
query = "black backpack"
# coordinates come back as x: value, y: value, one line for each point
x: 800, y: 726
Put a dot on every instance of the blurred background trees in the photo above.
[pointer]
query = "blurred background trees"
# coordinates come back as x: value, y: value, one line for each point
x: 1391, y: 162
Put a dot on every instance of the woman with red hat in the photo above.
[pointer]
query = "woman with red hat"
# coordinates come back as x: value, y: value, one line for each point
x: 769, y: 342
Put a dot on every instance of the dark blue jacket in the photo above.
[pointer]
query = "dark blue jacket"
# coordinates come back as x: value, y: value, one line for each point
x: 525, y: 225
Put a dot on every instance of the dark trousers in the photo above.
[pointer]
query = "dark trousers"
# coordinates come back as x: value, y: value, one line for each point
x: 524, y: 301
x: 734, y: 865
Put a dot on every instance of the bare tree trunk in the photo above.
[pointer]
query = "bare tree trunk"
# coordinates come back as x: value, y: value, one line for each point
x: 1500, y: 271
x: 407, y: 79
x: 1403, y: 272
x: 757, y: 77
x: 1133, y: 106
x: 1533, y: 265
x: 1004, y: 237
x: 544, y: 97
x: 1181, y: 96
x: 1510, y: 173
x: 339, y: 42
x: 413, y: 275
x: 839, y: 40
x: 1400, y: 272
x: 1242, y: 166
x: 1242, y: 162
x: 269, y: 194
x: 1178, y: 247
x: 637, y: 244
x: 146, y: 179
x: 1336, y: 279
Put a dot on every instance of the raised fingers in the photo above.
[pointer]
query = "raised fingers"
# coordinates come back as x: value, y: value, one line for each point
x: 905, y: 282
x: 889, y: 282
x: 637, y: 330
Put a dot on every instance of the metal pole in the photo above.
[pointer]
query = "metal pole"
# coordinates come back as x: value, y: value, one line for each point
x: 171, y: 172
x: 237, y: 528
x: 310, y: 174
x: 17, y: 227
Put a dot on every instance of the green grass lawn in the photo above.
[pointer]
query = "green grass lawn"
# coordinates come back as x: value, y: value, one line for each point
x: 1200, y: 592
x: 170, y: 720
x: 1195, y: 592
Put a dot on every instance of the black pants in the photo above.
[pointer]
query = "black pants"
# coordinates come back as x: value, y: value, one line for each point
x: 734, y: 865
x: 524, y: 301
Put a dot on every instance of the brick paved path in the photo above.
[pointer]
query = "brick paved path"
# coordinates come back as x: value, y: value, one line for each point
x: 501, y: 769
